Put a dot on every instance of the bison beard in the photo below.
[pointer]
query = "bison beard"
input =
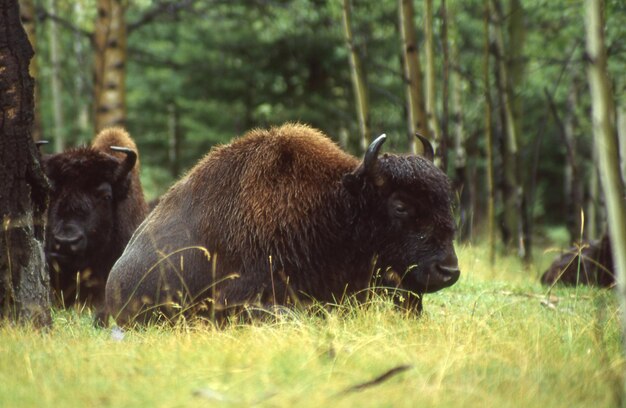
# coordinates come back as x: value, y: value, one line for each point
x: 96, y: 202
x: 284, y: 216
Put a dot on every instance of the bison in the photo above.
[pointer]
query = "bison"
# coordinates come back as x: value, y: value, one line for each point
x: 284, y: 216
x: 96, y: 202
x: 588, y: 264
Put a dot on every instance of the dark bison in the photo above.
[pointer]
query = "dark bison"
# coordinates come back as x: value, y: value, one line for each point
x: 587, y: 264
x: 96, y: 202
x: 284, y: 216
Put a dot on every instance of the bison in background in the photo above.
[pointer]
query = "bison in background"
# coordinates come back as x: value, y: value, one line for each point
x: 283, y: 216
x: 96, y: 202
x: 589, y: 264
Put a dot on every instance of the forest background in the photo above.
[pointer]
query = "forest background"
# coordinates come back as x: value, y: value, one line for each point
x: 191, y: 74
x: 503, y: 94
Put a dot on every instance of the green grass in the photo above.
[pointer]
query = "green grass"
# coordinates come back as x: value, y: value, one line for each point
x: 495, y: 339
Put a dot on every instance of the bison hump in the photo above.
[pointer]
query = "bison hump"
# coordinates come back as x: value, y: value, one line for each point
x: 279, y: 180
x: 114, y: 136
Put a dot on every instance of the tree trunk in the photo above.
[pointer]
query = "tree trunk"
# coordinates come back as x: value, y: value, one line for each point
x: 412, y: 76
x: 445, y: 137
x: 110, y: 65
x: 621, y: 133
x: 576, y: 185
x: 24, y: 283
x: 515, y: 56
x: 512, y: 189
x: 603, y: 119
x: 464, y: 186
x: 593, y: 213
x: 515, y: 73
x: 491, y: 230
x: 27, y: 15
x: 358, y: 82
x: 430, y: 84
x: 81, y: 84
x: 573, y: 190
x: 57, y: 101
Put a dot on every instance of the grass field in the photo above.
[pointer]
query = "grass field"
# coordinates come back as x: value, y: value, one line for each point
x: 495, y: 339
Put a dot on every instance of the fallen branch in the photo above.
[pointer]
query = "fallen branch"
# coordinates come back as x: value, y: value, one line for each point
x: 381, y: 378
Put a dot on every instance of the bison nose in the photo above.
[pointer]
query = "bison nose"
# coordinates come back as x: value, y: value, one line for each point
x: 448, y: 274
x: 73, y: 243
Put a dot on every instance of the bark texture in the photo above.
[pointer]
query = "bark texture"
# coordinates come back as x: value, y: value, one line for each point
x: 24, y: 286
x: 605, y: 136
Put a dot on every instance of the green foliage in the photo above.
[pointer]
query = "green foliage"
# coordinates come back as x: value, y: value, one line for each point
x: 231, y: 66
x: 493, y: 339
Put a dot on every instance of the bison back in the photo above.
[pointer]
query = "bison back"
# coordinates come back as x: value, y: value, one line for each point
x: 271, y: 199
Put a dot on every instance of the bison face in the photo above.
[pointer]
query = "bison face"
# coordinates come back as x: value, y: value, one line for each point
x: 409, y: 201
x: 79, y: 224
x: 418, y: 253
x: 87, y: 185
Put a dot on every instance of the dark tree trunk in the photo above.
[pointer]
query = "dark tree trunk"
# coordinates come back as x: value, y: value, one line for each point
x: 445, y: 136
x: 489, y: 143
x: 512, y: 187
x: 24, y: 286
x: 573, y: 190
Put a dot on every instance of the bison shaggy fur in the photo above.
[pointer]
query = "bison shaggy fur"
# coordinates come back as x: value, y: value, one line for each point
x: 96, y: 202
x: 283, y: 216
x: 590, y: 263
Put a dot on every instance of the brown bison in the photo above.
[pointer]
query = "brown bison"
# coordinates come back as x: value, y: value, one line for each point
x: 96, y: 202
x: 588, y: 264
x: 284, y: 216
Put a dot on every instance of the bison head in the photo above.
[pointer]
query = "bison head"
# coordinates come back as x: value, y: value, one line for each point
x: 409, y: 200
x: 86, y: 186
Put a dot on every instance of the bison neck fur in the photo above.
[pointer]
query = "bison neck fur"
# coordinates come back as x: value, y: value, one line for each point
x: 279, y: 216
x: 94, y: 209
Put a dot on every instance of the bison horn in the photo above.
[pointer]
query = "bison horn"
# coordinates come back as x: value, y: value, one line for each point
x: 371, y: 155
x: 429, y: 152
x: 127, y: 165
x: 39, y: 143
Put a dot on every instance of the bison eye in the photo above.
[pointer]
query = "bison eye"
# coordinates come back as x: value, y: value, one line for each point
x: 400, y: 209
x: 104, y: 192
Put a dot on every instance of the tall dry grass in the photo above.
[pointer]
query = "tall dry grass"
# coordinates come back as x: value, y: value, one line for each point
x: 496, y: 338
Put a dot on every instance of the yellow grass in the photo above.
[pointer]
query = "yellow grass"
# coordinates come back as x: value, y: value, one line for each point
x: 495, y: 339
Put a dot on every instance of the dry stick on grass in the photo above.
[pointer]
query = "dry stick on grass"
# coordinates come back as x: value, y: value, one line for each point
x: 381, y: 378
